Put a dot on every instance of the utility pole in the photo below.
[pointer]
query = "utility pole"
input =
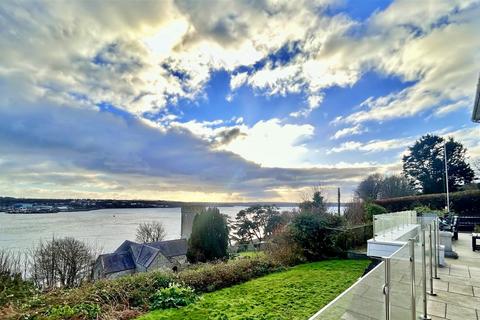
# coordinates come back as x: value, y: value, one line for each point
x: 446, y: 175
x: 339, y: 201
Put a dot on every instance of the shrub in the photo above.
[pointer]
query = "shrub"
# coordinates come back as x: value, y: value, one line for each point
x: 213, y: 276
x: 78, y: 311
x: 13, y: 289
x: 462, y: 203
x: 372, y: 209
x: 283, y: 250
x: 316, y: 234
x: 421, y: 210
x: 355, y: 212
x: 174, y: 296
x: 354, y: 236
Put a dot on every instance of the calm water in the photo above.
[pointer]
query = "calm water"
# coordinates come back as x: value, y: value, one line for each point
x: 106, y: 229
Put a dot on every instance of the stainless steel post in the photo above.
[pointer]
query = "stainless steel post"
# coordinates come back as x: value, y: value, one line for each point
x: 386, y: 289
x: 424, y: 276
x: 431, y: 259
x: 435, y: 243
x: 413, y: 294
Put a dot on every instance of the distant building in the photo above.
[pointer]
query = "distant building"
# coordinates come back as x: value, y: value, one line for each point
x: 476, y: 105
x: 132, y: 257
x: 188, y: 214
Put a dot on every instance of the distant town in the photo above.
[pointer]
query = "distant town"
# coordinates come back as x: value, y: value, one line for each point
x: 38, y: 206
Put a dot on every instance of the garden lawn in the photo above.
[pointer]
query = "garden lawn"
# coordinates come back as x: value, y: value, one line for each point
x: 293, y: 294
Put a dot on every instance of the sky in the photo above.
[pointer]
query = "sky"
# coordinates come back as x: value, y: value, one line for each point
x: 227, y: 100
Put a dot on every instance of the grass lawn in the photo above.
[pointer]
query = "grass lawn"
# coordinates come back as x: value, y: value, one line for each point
x: 251, y: 254
x: 293, y: 294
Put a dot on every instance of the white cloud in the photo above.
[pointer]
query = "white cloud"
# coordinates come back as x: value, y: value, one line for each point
x: 273, y: 144
x: 444, y: 110
x: 268, y: 143
x: 373, y: 145
x: 349, y: 131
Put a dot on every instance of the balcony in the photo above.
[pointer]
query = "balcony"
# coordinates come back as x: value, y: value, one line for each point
x: 410, y: 283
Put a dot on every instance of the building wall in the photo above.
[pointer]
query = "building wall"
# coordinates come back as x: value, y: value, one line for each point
x: 119, y: 274
x: 188, y: 214
x: 160, y: 263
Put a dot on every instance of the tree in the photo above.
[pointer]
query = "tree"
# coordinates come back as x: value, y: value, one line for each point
x: 314, y: 202
x: 63, y: 262
x: 369, y: 188
x: 150, y: 232
x: 424, y: 165
x: 395, y: 186
x: 256, y: 222
x: 209, y: 238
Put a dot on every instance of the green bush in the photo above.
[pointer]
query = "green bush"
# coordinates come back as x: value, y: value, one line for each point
x: 174, y: 296
x: 372, y: 209
x: 213, y: 276
x: 421, y: 210
x: 463, y: 203
x: 78, y: 311
x: 315, y: 234
x: 13, y: 289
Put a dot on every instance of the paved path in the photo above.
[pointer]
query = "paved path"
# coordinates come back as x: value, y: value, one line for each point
x: 458, y: 289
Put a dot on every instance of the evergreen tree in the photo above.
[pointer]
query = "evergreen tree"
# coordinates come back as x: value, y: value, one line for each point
x: 209, y: 238
x: 424, y: 165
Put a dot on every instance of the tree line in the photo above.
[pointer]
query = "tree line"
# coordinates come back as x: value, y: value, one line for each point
x: 423, y: 171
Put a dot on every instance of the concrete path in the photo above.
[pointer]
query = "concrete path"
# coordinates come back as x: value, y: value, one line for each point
x: 458, y: 289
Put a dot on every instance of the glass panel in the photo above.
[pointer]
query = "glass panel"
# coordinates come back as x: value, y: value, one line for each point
x: 400, y: 283
x: 387, y: 224
x: 364, y: 300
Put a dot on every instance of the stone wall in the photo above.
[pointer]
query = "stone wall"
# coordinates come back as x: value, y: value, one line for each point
x: 188, y: 214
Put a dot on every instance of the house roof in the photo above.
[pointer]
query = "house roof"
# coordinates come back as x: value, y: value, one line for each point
x: 171, y: 248
x: 116, y: 262
x: 476, y: 105
x: 130, y: 254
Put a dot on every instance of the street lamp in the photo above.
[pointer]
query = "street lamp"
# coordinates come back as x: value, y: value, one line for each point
x: 446, y: 175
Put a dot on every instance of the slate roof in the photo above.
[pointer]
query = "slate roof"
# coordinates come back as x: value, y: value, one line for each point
x: 130, y: 254
x: 171, y: 248
x: 116, y: 262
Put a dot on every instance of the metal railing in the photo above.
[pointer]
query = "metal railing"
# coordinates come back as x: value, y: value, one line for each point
x: 397, y: 288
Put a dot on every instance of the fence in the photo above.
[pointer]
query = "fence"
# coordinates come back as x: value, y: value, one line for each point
x: 383, y: 224
x: 397, y: 288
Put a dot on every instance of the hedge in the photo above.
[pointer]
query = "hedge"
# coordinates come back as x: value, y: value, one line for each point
x: 462, y: 203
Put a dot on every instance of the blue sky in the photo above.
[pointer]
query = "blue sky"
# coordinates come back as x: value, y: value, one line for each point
x: 234, y: 101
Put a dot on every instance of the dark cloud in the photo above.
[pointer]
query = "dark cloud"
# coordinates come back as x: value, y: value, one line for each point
x: 228, y: 135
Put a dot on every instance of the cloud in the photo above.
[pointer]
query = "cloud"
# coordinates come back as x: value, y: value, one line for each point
x: 228, y: 135
x: 445, y: 109
x: 373, y: 145
x: 439, y: 70
x: 349, y: 131
x: 64, y: 148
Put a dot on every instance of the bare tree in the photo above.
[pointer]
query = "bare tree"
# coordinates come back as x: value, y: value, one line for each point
x: 355, y: 212
x: 150, y: 232
x: 369, y: 188
x: 63, y: 262
x: 14, y: 263
x: 395, y: 186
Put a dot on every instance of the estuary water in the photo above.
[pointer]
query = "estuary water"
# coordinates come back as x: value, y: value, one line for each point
x: 105, y: 229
